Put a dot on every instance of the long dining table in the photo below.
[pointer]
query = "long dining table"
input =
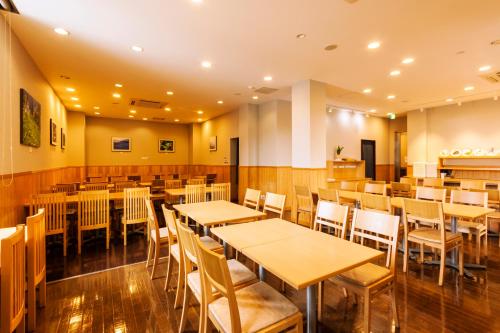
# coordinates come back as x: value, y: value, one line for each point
x: 297, y: 255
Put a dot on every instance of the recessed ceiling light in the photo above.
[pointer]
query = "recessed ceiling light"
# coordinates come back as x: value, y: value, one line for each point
x: 144, y: 118
x: 220, y: 102
x: 78, y: 106
x: 199, y: 119
x: 374, y: 45
x: 133, y: 111
x: 176, y: 120
x: 167, y: 109
x: 197, y: 1
x: 131, y: 116
x: 407, y: 61
x: 391, y: 96
x: 367, y: 115
x: 61, y: 31
x: 255, y: 97
x: 250, y: 87
x: 206, y: 64
x: 459, y: 103
x: 116, y: 95
x: 469, y: 88
x: 367, y: 90
x: 74, y: 98
x: 170, y: 93
x: 199, y: 112
x: 70, y: 89
x: 137, y: 48
x: 495, y: 42
x: 484, y: 68
x: 97, y: 107
x: 268, y: 78
x: 331, y: 47
x: 300, y: 36
x: 373, y: 110
x: 449, y: 100
x: 395, y: 72
x: 97, y: 113
x: 118, y: 85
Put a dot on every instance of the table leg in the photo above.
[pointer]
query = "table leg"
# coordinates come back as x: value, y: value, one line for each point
x: 206, y: 231
x: 225, y: 249
x: 262, y: 273
x: 312, y: 307
x: 454, y: 253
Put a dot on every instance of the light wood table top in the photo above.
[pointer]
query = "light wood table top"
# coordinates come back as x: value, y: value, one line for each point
x: 177, y: 192
x: 211, y: 213
x: 241, y: 236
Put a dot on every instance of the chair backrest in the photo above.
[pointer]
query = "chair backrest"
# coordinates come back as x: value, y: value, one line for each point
x: 375, y: 202
x: 408, y: 180
x: 36, y: 247
x: 327, y: 194
x: 114, y: 179
x: 331, y: 215
x: 54, y: 205
x: 93, y: 209
x: 469, y: 198
x: 158, y: 183
x: 346, y: 185
x: 215, y: 274
x: 13, y: 280
x: 134, y: 178
x: 472, y: 184
x: 196, y: 193
x: 196, y: 181
x: 275, y: 203
x: 303, y: 197
x: 120, y: 186
x: 429, y: 213
x: 378, y: 227
x: 97, y: 179
x: 66, y: 188
x: 493, y: 197
x: 134, y: 205
x: 221, y: 191
x: 188, y: 246
x: 170, y: 220
x: 376, y: 188
x: 211, y: 178
x: 431, y: 182
x: 152, y: 220
x: 173, y: 183
x: 252, y: 198
x: 96, y: 186
x: 400, y: 190
x: 430, y: 193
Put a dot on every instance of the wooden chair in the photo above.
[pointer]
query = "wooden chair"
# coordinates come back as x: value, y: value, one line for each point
x: 327, y: 194
x: 158, y: 186
x: 255, y: 308
x: 252, y: 198
x: 13, y: 281
x: 432, y: 182
x: 479, y: 228
x: 36, y: 264
x: 96, y: 186
x: 195, y: 193
x: 120, y: 186
x: 304, y: 203
x: 371, y: 279
x: 275, y: 203
x: 375, y: 202
x: 376, y: 188
x: 97, y: 179
x: 435, y: 236
x: 408, y: 180
x: 332, y: 216
x: 346, y: 185
x: 472, y: 184
x: 65, y: 188
x: 211, y: 178
x: 134, y: 209
x: 196, y: 181
x: 117, y: 179
x: 54, y: 205
x: 493, y: 202
x: 401, y: 190
x: 221, y: 192
x: 431, y: 194
x: 93, y: 214
x: 172, y: 184
x: 134, y: 178
x: 240, y: 275
x: 158, y: 239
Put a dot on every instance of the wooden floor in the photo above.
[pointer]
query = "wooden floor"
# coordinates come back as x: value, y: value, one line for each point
x: 124, y: 299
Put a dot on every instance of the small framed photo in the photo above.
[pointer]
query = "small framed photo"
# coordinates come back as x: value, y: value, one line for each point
x: 166, y: 146
x: 212, y: 144
x: 53, y: 133
x: 63, y: 139
x: 121, y: 144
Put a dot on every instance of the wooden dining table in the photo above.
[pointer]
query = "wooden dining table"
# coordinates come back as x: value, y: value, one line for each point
x: 297, y: 255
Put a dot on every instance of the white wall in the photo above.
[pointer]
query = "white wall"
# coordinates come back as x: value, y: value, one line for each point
x: 274, y: 133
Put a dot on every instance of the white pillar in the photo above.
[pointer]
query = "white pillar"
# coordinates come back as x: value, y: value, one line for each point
x: 248, y: 134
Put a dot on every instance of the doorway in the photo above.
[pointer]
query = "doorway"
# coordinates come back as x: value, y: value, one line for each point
x: 368, y: 155
x: 234, y: 168
x: 400, y: 155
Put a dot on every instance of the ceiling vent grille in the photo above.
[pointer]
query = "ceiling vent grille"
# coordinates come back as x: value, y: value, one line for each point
x: 144, y: 103
x: 265, y: 90
x: 492, y: 77
x: 9, y: 6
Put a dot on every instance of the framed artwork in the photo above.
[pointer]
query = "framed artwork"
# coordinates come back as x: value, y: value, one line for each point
x: 30, y: 120
x: 121, y: 144
x: 63, y: 139
x: 166, y: 146
x: 212, y: 143
x: 53, y: 132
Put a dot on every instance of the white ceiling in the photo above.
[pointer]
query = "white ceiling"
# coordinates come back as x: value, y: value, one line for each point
x: 248, y: 39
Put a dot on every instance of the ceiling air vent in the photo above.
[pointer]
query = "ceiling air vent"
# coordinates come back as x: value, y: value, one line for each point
x: 492, y: 77
x: 9, y: 6
x: 144, y: 103
x: 158, y: 119
x: 265, y: 90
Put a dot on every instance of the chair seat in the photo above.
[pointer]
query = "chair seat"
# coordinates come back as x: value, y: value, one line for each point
x: 494, y: 215
x: 259, y: 305
x: 163, y: 235
x: 365, y: 275
x: 210, y: 243
x: 240, y: 274
x: 175, y: 251
x: 432, y: 235
x: 466, y: 226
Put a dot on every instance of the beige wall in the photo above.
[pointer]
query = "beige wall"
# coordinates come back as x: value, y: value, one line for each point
x: 23, y: 73
x: 75, y: 138
x: 395, y: 125
x: 348, y: 129
x: 144, y: 135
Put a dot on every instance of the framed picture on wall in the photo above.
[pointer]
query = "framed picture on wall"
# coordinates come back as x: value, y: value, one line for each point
x: 212, y: 143
x: 63, y: 139
x: 121, y: 144
x: 53, y: 132
x: 30, y: 120
x: 166, y: 146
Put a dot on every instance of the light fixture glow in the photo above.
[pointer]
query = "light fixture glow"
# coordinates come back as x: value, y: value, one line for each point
x: 391, y: 96
x: 170, y: 93
x: 373, y: 110
x: 449, y: 100
x: 118, y: 85
x: 197, y: 1
x: 199, y: 119
x: 367, y: 91
x: 144, y: 118
x: 206, y: 64
x: 407, y: 61
x: 70, y: 89
x: 97, y: 113
x: 97, y: 107
x: 133, y: 111
x: 374, y: 45
x: 74, y: 98
x: 78, y: 106
x: 268, y: 78
x: 167, y: 109
x: 255, y: 97
x: 131, y: 116
x: 469, y: 88
x: 220, y: 102
x: 137, y: 48
x: 176, y: 120
x: 116, y: 95
x: 495, y: 98
x: 484, y: 68
x: 395, y: 72
x: 61, y: 31
x: 199, y: 112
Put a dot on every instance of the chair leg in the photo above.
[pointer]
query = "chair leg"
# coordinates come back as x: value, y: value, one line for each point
x: 394, y: 304
x: 169, y: 271
x: 124, y: 234
x: 180, y: 286
x: 65, y: 243
x: 461, y: 260
x: 79, y: 241
x: 185, y: 307
x: 150, y: 253
x: 405, y: 256
x: 107, y: 237
x: 442, y: 265
x: 282, y: 286
x: 31, y: 307
x: 478, y: 247
x: 155, y: 260
x: 42, y: 292
x: 366, y: 305
x: 20, y: 328
x: 421, y: 253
